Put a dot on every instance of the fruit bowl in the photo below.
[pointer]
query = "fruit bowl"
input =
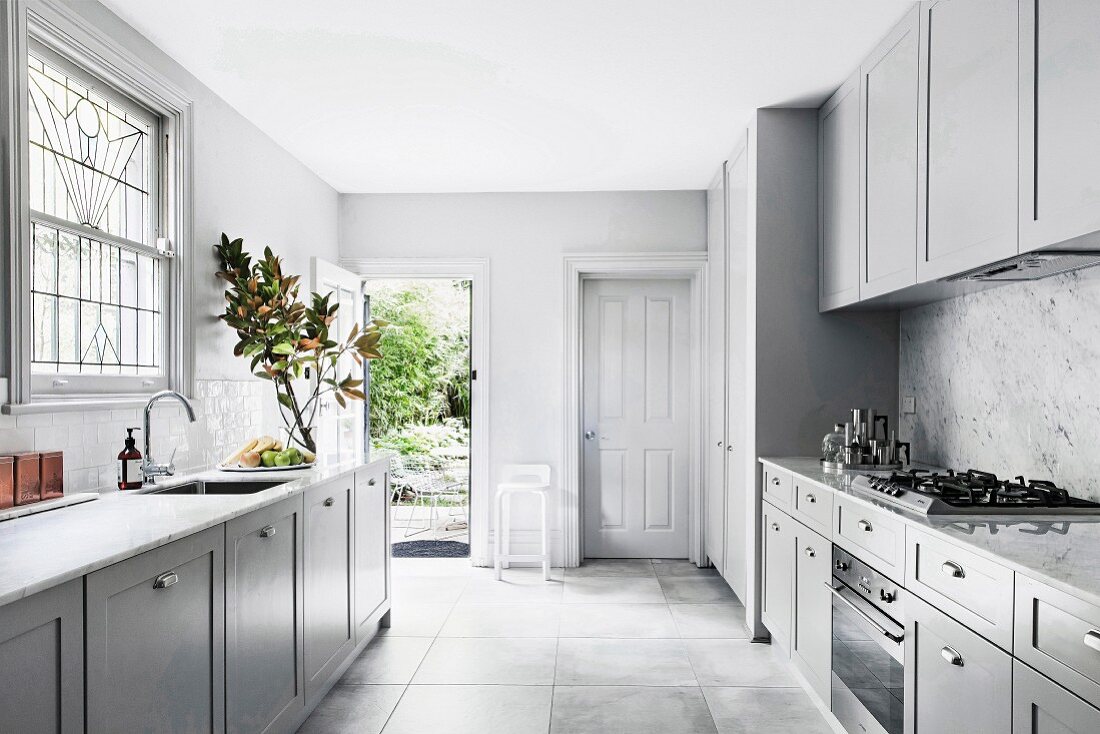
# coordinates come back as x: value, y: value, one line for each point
x: 264, y: 453
x: 246, y: 469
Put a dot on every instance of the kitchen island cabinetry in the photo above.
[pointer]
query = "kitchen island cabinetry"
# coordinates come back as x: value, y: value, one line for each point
x: 1040, y: 706
x: 371, y: 549
x: 42, y: 662
x: 155, y: 644
x: 811, y: 642
x: 264, y: 676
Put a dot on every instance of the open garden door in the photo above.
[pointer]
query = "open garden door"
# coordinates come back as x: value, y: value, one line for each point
x: 339, y: 430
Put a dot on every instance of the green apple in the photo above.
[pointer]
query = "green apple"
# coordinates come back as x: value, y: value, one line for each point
x: 295, y: 456
x: 283, y: 458
x: 267, y: 458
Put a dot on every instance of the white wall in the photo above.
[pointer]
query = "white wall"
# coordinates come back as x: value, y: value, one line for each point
x: 525, y: 237
x: 247, y: 186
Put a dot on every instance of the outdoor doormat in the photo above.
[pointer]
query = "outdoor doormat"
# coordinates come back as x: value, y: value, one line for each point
x: 431, y: 549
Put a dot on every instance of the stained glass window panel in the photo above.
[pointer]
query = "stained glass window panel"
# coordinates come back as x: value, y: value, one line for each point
x: 89, y: 156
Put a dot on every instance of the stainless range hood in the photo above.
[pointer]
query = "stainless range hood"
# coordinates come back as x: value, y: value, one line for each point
x: 1031, y: 266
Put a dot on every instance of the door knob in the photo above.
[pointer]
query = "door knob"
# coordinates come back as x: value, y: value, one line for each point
x: 589, y: 435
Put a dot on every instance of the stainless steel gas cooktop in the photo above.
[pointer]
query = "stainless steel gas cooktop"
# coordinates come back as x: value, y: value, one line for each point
x: 972, y: 493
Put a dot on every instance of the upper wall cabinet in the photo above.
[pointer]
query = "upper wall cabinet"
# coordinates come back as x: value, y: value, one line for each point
x: 888, y: 162
x: 1059, y: 122
x: 969, y: 111
x: 838, y: 192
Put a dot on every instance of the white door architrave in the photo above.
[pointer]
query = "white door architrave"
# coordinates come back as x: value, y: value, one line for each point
x: 579, y: 267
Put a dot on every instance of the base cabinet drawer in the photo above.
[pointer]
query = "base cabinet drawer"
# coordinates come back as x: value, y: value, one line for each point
x: 42, y: 662
x: 972, y: 589
x: 777, y: 487
x: 1041, y: 706
x: 813, y: 507
x: 264, y: 666
x: 1058, y: 635
x: 870, y: 535
x: 955, y: 681
x: 155, y: 644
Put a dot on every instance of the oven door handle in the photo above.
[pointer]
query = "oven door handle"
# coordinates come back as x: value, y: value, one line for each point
x: 866, y: 617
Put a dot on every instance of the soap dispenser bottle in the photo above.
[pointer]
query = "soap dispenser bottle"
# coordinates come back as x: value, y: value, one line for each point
x: 130, y: 475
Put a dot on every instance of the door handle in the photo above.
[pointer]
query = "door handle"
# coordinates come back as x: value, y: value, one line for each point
x: 267, y: 531
x: 719, y: 444
x: 589, y: 435
x: 864, y: 526
x: 1092, y: 639
x: 729, y: 447
x: 953, y: 570
x: 949, y: 654
x: 165, y: 580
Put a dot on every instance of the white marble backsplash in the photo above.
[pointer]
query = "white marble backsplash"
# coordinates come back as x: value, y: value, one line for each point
x: 227, y: 413
x: 1008, y: 380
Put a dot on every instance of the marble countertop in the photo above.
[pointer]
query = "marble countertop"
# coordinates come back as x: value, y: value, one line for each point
x: 1062, y: 551
x: 41, y: 551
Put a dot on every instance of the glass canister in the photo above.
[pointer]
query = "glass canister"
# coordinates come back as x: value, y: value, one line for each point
x: 832, y: 446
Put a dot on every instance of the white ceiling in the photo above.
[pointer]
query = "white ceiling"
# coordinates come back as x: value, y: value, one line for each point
x: 513, y: 95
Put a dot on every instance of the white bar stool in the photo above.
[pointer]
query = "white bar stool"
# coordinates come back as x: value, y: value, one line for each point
x: 534, y: 478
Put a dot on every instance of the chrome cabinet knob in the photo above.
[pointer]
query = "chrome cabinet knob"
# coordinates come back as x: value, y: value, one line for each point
x: 810, y: 552
x: 371, y: 482
x: 330, y: 501
x: 864, y: 526
x: 775, y: 481
x: 811, y: 498
x: 775, y: 526
x: 719, y: 444
x: 952, y: 656
x: 589, y: 435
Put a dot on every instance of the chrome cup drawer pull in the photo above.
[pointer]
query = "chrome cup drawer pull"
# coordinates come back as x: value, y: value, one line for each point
x: 1092, y: 639
x: 951, y: 656
x: 329, y: 501
x: 953, y: 570
x: 811, y: 499
x: 267, y: 531
x: 371, y: 482
x: 165, y: 580
x: 775, y: 481
x: 810, y: 552
x: 775, y: 526
x: 864, y: 526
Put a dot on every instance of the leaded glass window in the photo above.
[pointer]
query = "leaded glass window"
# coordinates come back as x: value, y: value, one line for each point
x: 96, y: 274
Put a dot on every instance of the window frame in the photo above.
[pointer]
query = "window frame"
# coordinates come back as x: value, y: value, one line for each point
x: 48, y: 28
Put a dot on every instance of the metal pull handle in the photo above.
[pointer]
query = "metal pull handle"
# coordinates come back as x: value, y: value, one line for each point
x: 953, y: 570
x: 1092, y: 639
x: 810, y: 552
x: 775, y: 481
x: 811, y: 499
x: 165, y: 580
x: 864, y: 526
x: 267, y: 531
x: 775, y: 526
x: 949, y: 654
x: 371, y: 482
x: 866, y: 617
x: 719, y: 444
x: 330, y: 501
x: 589, y: 435
x: 729, y: 447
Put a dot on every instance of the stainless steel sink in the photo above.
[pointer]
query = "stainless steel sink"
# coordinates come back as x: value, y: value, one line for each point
x: 213, y: 487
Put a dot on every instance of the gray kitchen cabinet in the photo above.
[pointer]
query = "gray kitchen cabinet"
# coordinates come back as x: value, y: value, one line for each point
x: 329, y: 636
x: 371, y: 548
x: 154, y: 639
x: 42, y: 661
x: 969, y: 108
x: 954, y: 680
x: 890, y: 208
x: 1059, y: 119
x: 264, y: 654
x: 812, y: 634
x: 778, y: 582
x: 1041, y: 706
x: 838, y: 197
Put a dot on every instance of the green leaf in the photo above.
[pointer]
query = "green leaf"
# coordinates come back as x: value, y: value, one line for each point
x: 283, y: 348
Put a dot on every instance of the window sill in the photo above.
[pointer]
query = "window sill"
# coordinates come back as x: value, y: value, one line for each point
x: 75, y: 404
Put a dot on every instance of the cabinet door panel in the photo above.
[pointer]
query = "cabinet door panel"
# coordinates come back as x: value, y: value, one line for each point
x: 328, y: 631
x: 838, y: 235
x: 264, y: 648
x: 1059, y: 122
x: 778, y: 582
x: 944, y: 662
x: 812, y: 634
x: 42, y: 662
x: 1041, y: 706
x: 969, y: 112
x: 155, y: 640
x: 716, y: 371
x: 888, y: 255
x: 372, y: 546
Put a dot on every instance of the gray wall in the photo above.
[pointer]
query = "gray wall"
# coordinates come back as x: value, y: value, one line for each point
x: 525, y: 237
x: 1008, y: 380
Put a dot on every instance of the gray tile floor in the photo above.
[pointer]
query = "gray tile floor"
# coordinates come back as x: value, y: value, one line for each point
x: 613, y: 646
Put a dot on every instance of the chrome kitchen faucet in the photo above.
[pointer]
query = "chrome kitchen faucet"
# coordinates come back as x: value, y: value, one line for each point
x: 150, y: 470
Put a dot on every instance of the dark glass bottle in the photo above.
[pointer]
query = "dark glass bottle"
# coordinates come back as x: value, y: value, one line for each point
x: 130, y: 475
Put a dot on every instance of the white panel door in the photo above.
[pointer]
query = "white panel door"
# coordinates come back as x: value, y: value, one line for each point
x: 339, y: 431
x: 635, y: 362
x: 715, y: 454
